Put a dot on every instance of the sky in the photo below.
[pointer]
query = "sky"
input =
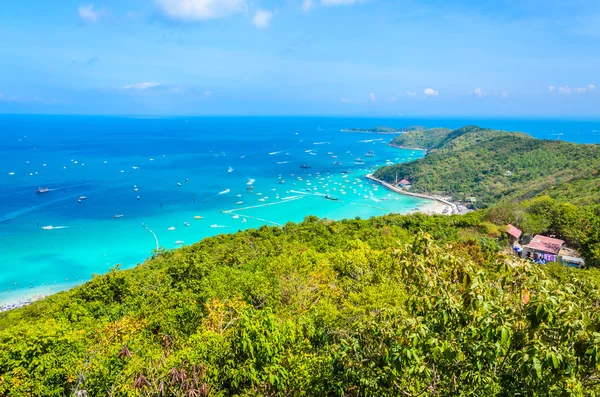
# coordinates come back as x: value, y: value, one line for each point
x: 301, y: 57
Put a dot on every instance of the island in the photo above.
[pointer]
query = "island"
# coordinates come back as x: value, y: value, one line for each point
x: 395, y: 305
x: 384, y: 130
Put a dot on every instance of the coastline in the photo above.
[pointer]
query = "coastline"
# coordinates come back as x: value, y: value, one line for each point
x: 408, y: 148
x: 440, y: 201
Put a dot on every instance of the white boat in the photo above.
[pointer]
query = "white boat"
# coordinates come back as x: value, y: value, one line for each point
x: 116, y: 216
x: 81, y: 198
x: 178, y: 183
x: 186, y: 223
x: 225, y: 191
x: 236, y: 217
x: 272, y: 153
x: 171, y: 228
x: 250, y: 182
x: 11, y: 173
x: 179, y: 242
x: 229, y: 169
x: 239, y: 203
x: 215, y: 226
x: 47, y: 227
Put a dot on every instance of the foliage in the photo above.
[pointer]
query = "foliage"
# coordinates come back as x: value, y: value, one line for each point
x: 495, y: 165
x: 391, y: 306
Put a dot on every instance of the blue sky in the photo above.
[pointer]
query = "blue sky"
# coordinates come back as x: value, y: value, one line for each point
x: 301, y: 57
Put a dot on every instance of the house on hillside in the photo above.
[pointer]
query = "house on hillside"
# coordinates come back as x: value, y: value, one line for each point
x: 508, y: 173
x: 404, y: 184
x: 514, y: 234
x: 542, y: 248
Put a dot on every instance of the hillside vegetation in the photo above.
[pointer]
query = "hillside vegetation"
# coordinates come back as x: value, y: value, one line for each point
x: 392, y: 306
x: 496, y: 165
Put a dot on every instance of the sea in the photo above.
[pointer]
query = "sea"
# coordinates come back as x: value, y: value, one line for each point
x: 120, y: 186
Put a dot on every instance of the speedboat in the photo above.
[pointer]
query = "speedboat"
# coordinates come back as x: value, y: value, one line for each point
x: 116, y: 216
x: 198, y: 217
x: 171, y: 228
x: 42, y: 190
x: 230, y: 169
x: 186, y: 223
x: 337, y: 163
x: 225, y: 191
x: 305, y: 166
x: 179, y: 242
x: 239, y: 203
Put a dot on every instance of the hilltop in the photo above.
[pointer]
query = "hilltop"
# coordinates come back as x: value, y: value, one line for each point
x: 394, y: 305
x: 493, y: 166
x: 385, y: 130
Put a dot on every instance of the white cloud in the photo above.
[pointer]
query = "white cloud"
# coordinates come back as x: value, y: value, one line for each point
x: 566, y: 90
x: 504, y: 94
x: 338, y: 2
x: 141, y: 86
x: 431, y: 92
x: 372, y: 97
x: 411, y: 93
x: 479, y: 92
x: 345, y: 100
x: 394, y: 99
x: 262, y: 19
x: 200, y: 10
x: 307, y: 5
x: 207, y: 94
x: 88, y: 14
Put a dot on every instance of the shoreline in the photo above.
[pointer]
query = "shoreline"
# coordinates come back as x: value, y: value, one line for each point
x: 408, y: 148
x: 453, y: 207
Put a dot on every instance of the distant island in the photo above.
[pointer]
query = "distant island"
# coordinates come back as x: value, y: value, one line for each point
x: 385, y: 130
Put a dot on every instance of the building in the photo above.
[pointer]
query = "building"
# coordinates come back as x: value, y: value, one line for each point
x: 571, y: 261
x: 542, y: 247
x: 514, y: 234
x: 404, y: 183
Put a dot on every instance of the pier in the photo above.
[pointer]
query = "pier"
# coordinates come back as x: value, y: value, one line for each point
x: 453, y: 207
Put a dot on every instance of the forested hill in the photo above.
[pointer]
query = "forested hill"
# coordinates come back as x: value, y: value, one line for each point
x: 495, y: 165
x: 392, y: 306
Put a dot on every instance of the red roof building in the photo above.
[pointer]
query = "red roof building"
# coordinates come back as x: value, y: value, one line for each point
x: 545, y: 244
x: 404, y: 182
x: 513, y: 231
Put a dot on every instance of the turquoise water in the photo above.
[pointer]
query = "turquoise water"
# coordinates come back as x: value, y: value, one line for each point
x: 181, y: 166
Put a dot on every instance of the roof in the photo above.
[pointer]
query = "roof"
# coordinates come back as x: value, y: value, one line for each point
x: 404, y: 182
x: 513, y: 231
x: 545, y: 244
x: 572, y: 259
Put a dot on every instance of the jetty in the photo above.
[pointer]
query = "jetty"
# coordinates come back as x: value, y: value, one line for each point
x: 453, y: 207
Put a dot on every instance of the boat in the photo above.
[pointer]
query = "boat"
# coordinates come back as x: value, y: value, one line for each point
x: 138, y: 197
x: 178, y: 183
x: 244, y: 220
x: 250, y: 188
x: 229, y: 169
x: 330, y: 153
x: 186, y: 223
x: 116, y: 216
x: 306, y: 166
x: 236, y: 217
x: 225, y: 191
x: 359, y: 160
x: 329, y: 197
x: 42, y: 190
x: 250, y: 182
x: 171, y: 228
x: 370, y: 153
x: 239, y: 203
x: 47, y: 227
x: 81, y: 198
x: 179, y: 242
x: 281, y: 181
x: 336, y: 163
x: 334, y: 157
x: 198, y: 217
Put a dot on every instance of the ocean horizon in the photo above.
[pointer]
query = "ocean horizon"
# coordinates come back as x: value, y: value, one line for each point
x: 163, y: 172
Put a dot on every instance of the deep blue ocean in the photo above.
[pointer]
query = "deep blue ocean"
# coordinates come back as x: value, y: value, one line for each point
x: 162, y: 172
